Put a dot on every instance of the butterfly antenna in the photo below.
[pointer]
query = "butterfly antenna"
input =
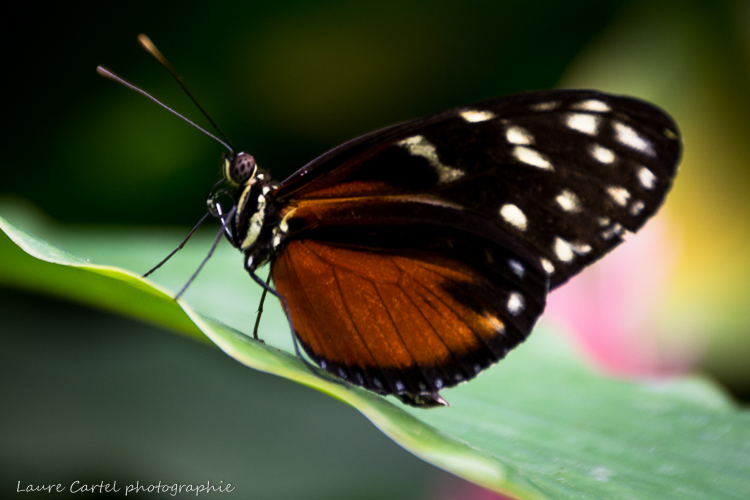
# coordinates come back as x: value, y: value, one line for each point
x: 112, y: 76
x: 149, y: 47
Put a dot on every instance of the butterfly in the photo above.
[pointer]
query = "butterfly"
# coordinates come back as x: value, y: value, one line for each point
x: 412, y: 258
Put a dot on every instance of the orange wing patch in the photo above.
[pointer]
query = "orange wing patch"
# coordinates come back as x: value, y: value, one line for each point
x: 392, y: 322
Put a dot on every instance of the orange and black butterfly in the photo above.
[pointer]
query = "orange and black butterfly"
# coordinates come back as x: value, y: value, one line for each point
x: 410, y: 259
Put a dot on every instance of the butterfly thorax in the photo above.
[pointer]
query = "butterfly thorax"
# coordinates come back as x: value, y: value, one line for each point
x: 257, y: 220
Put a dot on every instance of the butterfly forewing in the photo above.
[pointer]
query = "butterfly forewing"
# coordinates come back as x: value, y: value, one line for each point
x: 566, y: 171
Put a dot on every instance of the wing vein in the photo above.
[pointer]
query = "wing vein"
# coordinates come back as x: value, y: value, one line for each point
x: 348, y: 312
x: 449, y: 307
x: 356, y: 328
x: 446, y: 375
x: 395, y: 326
x: 312, y: 307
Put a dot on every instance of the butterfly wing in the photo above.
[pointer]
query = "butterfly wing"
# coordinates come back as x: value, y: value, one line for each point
x: 418, y: 255
x: 403, y: 322
x: 565, y: 171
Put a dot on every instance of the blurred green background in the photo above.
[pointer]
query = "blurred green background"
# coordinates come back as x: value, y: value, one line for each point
x: 104, y: 397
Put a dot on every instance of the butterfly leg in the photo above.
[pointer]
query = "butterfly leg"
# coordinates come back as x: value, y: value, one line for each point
x: 179, y: 247
x: 195, y: 274
x: 260, y: 307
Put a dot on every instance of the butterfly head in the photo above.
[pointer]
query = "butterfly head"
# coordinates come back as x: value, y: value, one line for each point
x: 252, y: 221
x: 239, y: 168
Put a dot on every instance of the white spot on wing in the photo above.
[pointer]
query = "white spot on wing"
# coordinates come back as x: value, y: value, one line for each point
x: 647, y: 178
x: 417, y: 145
x: 399, y: 385
x: 495, y: 324
x: 518, y: 135
x: 615, y: 230
x: 637, y: 207
x: 514, y: 216
x: 517, y: 268
x: 544, y: 106
x: 516, y: 304
x: 474, y: 116
x: 602, y: 154
x: 547, y: 265
x: 531, y: 157
x: 580, y: 248
x: 592, y: 105
x: 563, y: 250
x: 585, y: 123
x: 620, y: 195
x: 568, y: 201
x: 629, y: 137
x: 414, y: 140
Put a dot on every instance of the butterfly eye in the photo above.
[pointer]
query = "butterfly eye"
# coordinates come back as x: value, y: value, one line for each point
x: 239, y: 169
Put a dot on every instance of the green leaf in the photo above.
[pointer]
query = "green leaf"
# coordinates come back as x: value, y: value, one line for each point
x: 540, y: 424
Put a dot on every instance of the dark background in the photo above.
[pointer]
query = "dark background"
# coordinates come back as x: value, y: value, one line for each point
x: 285, y: 80
x: 105, y: 398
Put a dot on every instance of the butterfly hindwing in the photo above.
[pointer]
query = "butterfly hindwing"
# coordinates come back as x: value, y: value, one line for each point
x: 406, y: 322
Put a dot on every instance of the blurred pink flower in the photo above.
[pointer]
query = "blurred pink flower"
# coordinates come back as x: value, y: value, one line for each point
x: 455, y: 488
x: 612, y: 309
